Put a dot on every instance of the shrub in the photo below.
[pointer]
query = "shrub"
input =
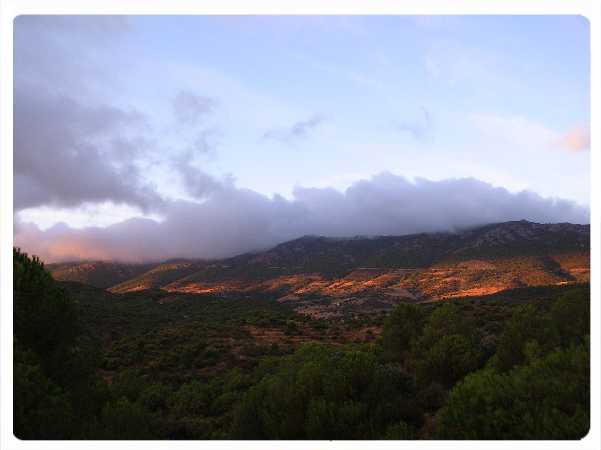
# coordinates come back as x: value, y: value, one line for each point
x: 45, y: 318
x: 399, y: 431
x: 41, y: 408
x: 154, y: 397
x: 526, y: 324
x: 402, y: 326
x: 323, y: 390
x: 122, y: 419
x: 191, y: 399
x: 570, y: 316
x: 447, y: 360
x: 547, y: 398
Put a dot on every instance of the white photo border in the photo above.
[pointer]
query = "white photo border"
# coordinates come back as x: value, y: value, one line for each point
x: 9, y: 9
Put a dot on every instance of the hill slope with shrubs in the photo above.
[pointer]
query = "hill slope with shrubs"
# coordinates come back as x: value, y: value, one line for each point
x: 90, y: 364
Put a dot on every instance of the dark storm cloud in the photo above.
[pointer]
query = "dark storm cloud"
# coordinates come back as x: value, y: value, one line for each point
x: 296, y: 131
x: 232, y: 220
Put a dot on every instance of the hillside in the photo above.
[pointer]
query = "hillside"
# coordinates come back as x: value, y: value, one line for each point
x: 190, y: 356
x: 158, y: 276
x: 328, y: 276
x: 154, y: 364
x: 101, y: 274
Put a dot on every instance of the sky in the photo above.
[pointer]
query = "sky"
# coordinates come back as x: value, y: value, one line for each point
x: 152, y: 137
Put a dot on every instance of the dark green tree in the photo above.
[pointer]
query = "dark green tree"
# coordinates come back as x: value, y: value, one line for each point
x: 527, y: 324
x: 570, y: 316
x: 51, y: 349
x: 42, y: 409
x: 122, y: 419
x: 448, y: 348
x: 401, y: 328
x: 546, y: 398
x: 319, y: 392
x: 448, y: 360
x: 44, y: 317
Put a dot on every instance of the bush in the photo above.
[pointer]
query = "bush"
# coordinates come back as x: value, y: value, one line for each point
x: 318, y: 392
x: 191, y: 399
x: 448, y: 360
x: 399, y: 431
x: 154, y: 397
x: 570, y: 315
x: 445, y: 320
x: 128, y: 384
x: 401, y: 328
x: 45, y: 319
x: 448, y: 348
x: 547, y: 398
x: 527, y: 324
x: 56, y: 390
x: 122, y: 419
x: 41, y: 408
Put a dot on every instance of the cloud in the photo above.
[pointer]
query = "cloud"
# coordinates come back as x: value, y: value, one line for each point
x: 196, y: 181
x: 232, y: 220
x: 419, y: 129
x: 578, y: 139
x: 93, y: 27
x: 71, y: 144
x: 189, y: 107
x: 65, y: 53
x: 298, y: 130
x: 67, y: 153
x: 203, y: 143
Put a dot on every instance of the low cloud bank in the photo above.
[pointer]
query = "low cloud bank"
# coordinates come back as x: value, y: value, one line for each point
x: 232, y: 220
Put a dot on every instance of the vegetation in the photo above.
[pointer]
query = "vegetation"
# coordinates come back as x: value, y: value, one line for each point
x: 545, y: 398
x: 57, y: 391
x: 157, y: 365
x: 100, y: 274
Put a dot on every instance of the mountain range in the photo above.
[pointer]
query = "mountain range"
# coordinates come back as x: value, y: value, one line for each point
x: 322, y: 276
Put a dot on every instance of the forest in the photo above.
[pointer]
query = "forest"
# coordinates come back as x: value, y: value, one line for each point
x: 89, y: 365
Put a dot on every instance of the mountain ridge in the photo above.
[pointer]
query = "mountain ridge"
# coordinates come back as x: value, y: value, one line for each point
x: 322, y: 274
